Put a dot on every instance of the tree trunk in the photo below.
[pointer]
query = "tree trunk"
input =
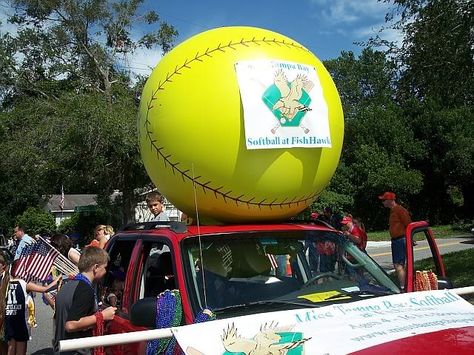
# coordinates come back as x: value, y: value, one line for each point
x: 129, y: 199
x: 128, y: 207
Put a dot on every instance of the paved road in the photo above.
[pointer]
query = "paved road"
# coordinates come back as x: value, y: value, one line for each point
x: 40, y: 344
x: 380, y: 251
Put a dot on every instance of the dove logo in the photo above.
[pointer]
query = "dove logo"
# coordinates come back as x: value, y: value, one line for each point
x: 283, y: 100
x: 271, y: 339
x: 288, y: 101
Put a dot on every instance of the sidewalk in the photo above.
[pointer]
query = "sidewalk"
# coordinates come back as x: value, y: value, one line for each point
x: 371, y: 244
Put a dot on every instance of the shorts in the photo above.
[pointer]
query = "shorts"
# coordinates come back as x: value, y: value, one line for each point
x: 399, y: 251
x: 16, y: 329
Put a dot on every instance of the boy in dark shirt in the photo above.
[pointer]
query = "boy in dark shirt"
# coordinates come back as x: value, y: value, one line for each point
x: 76, y: 308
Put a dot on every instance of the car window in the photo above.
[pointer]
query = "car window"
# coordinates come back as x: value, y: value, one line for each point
x: 157, y: 271
x: 114, y: 281
x: 305, y: 268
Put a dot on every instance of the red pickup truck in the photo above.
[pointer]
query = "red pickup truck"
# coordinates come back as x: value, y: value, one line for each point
x: 246, y: 269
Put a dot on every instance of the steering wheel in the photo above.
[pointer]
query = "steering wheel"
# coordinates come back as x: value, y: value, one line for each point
x: 320, y: 276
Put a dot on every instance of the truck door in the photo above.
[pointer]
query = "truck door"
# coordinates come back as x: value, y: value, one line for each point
x: 117, y: 289
x: 424, y: 266
x: 155, y: 269
x: 154, y: 273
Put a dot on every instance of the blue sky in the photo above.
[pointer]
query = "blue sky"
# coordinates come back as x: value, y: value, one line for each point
x: 326, y: 27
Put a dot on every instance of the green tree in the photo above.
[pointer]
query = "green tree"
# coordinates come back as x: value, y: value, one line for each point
x: 76, y: 44
x: 75, y: 141
x: 447, y: 134
x: 436, y: 58
x: 36, y: 221
x: 435, y: 69
x: 379, y: 144
x: 68, y: 105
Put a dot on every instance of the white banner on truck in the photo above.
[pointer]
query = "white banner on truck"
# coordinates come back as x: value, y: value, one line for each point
x: 283, y: 105
x: 335, y: 329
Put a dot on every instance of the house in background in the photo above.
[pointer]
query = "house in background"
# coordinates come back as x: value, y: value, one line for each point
x: 72, y: 203
x: 87, y: 202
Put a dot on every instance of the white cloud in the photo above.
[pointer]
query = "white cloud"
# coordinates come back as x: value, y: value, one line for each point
x: 388, y: 34
x: 6, y: 27
x: 367, y: 31
x: 393, y: 35
x: 348, y: 11
x: 147, y: 59
x: 357, y: 20
x: 141, y: 62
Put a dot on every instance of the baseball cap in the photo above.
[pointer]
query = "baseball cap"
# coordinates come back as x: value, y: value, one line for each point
x: 346, y: 219
x: 387, y: 196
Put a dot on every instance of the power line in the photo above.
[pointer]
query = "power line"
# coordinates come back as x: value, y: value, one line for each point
x: 183, y: 20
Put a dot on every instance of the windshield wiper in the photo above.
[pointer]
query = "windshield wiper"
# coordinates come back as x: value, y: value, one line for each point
x: 371, y: 292
x: 263, y: 303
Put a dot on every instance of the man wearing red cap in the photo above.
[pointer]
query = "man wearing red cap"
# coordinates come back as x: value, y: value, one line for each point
x: 397, y: 223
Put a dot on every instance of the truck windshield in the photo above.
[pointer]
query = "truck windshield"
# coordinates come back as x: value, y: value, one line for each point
x: 291, y: 268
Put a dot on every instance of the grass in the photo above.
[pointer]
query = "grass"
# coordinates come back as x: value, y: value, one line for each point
x: 439, y: 232
x: 458, y: 267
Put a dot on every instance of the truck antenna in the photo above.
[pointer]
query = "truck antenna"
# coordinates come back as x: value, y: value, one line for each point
x: 199, y: 238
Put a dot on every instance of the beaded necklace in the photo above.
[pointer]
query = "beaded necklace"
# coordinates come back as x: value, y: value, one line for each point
x: 99, y: 330
x: 204, y: 316
x: 169, y: 313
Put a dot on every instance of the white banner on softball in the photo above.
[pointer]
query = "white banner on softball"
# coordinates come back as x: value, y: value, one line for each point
x: 336, y: 329
x: 283, y: 105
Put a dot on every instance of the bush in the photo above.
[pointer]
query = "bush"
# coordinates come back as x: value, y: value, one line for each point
x: 37, y: 221
x: 464, y: 225
x: 68, y: 225
x: 338, y: 202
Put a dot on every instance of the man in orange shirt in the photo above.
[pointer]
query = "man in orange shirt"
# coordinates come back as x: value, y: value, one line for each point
x: 397, y: 223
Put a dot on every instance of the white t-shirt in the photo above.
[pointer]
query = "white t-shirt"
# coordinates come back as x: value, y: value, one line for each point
x: 160, y: 217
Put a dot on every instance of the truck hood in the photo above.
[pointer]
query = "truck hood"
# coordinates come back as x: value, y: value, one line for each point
x: 411, y: 323
x: 456, y: 341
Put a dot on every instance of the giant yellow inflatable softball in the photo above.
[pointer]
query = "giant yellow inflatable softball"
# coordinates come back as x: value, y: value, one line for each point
x: 202, y: 128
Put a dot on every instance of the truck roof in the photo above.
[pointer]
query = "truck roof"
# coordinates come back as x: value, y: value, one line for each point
x: 179, y: 230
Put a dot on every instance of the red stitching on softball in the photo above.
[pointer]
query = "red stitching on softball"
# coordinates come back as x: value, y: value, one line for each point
x: 184, y: 173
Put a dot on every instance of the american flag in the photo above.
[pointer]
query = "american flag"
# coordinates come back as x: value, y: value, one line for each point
x: 35, y: 261
x: 61, y: 202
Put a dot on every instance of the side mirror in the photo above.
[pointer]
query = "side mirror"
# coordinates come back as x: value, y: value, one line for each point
x: 143, y: 313
x: 444, y: 283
